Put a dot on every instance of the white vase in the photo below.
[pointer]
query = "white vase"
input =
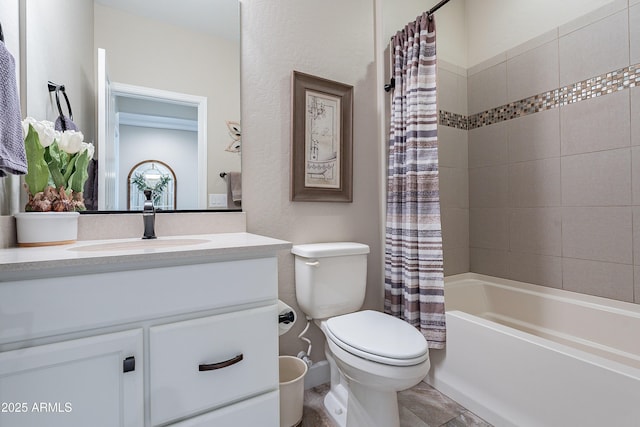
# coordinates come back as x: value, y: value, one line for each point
x: 46, y: 228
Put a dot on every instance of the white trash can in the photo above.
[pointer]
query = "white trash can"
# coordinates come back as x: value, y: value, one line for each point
x: 292, y: 372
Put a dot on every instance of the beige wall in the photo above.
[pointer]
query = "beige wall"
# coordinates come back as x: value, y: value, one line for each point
x: 59, y: 48
x: 149, y: 53
x: 450, y: 24
x: 494, y: 26
x: 334, y: 40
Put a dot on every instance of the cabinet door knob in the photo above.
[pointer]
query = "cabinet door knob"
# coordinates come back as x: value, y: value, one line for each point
x: 129, y: 364
x: 220, y: 365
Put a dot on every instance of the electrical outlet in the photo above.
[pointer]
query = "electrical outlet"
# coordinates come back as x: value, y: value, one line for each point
x: 218, y: 200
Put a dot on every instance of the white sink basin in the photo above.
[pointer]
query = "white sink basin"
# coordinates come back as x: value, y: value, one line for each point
x: 139, y: 244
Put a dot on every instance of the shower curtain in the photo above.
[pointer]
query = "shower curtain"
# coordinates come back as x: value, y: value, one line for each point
x: 414, y: 288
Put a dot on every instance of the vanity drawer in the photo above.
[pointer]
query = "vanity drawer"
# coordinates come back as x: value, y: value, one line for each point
x: 201, y: 364
x: 260, y: 411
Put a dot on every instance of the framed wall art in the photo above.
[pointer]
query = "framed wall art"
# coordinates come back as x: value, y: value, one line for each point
x: 321, y: 140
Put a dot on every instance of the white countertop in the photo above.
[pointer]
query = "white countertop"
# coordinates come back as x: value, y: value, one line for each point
x: 96, y: 256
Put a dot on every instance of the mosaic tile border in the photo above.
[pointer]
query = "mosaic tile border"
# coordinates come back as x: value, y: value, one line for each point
x: 614, y: 81
x: 453, y: 120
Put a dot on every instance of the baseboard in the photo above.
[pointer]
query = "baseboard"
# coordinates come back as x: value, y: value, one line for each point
x: 317, y: 374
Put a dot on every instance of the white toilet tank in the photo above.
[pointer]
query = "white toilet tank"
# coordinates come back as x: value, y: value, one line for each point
x: 331, y: 278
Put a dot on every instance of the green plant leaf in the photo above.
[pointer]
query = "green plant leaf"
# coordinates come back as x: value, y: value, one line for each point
x: 37, y: 176
x: 70, y: 167
x: 52, y: 159
x: 80, y: 175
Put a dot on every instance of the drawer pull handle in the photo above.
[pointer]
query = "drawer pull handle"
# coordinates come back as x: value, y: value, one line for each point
x: 313, y: 263
x: 220, y: 365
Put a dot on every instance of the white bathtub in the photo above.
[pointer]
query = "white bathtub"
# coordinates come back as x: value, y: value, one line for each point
x: 524, y: 355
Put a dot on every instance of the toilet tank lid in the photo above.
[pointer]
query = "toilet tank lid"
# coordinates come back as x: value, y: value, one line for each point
x: 322, y: 250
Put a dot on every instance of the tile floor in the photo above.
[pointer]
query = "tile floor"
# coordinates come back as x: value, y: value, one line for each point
x: 420, y: 406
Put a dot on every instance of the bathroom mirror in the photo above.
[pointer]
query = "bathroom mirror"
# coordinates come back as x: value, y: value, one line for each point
x: 191, y: 48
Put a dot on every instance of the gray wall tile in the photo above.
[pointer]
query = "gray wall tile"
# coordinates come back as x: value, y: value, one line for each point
x: 537, y: 269
x: 489, y: 228
x: 535, y: 136
x: 634, y: 33
x: 595, y: 49
x: 533, y: 72
x: 454, y: 187
x: 452, y: 92
x: 488, y: 261
x: 488, y: 145
x: 488, y: 187
x: 635, y: 175
x: 636, y: 235
x: 599, y: 234
x: 597, y: 179
x: 455, y: 227
x: 636, y: 292
x: 488, y: 88
x: 535, y: 183
x: 456, y: 261
x: 536, y: 231
x: 603, y: 279
x: 635, y: 112
x: 596, y: 124
x: 453, y: 150
x: 562, y: 197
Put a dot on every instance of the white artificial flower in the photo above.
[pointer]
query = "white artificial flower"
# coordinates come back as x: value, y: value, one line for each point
x: 25, y: 125
x: 47, y: 135
x: 88, y: 147
x: 71, y: 141
x: 45, y: 129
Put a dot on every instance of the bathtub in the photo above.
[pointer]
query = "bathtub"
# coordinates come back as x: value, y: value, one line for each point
x: 524, y: 355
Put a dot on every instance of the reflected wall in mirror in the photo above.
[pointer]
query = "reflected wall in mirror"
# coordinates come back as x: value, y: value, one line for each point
x: 193, y: 48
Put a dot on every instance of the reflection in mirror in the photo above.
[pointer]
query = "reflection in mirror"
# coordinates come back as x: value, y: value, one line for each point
x: 138, y: 122
x: 190, y: 50
x: 156, y: 176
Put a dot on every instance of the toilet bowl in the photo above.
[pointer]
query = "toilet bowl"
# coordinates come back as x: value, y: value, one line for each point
x: 375, y: 356
x: 371, y: 355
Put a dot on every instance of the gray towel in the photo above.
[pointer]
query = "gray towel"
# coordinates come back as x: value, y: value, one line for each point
x: 13, y: 159
x: 235, y: 185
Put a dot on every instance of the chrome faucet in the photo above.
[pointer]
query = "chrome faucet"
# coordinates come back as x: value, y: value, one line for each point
x: 148, y: 216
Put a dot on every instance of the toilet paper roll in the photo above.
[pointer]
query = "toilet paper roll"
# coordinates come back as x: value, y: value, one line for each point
x: 284, y: 309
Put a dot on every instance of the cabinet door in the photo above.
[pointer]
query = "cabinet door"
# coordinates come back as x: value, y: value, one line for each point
x: 74, y: 383
x: 201, y: 364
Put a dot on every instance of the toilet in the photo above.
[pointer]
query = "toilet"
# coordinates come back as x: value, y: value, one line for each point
x: 371, y: 355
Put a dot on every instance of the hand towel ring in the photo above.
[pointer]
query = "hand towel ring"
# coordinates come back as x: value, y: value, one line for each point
x: 65, y: 122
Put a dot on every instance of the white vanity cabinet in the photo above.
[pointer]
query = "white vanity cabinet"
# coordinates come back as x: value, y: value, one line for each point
x: 149, y: 341
x: 79, y: 382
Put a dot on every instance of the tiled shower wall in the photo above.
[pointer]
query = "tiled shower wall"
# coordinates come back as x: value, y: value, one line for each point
x: 454, y: 169
x: 553, y: 159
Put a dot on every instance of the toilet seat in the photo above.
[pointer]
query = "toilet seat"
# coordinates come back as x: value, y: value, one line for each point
x: 378, y: 337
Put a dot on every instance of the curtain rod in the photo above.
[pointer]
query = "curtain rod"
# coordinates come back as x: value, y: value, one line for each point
x: 438, y: 6
x: 392, y: 82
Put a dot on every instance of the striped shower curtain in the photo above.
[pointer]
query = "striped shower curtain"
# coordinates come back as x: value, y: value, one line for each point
x: 413, y: 242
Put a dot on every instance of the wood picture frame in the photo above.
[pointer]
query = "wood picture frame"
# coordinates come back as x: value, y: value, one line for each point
x: 321, y: 140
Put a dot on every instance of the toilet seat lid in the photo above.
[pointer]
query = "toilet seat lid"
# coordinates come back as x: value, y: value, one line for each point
x: 378, y: 337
